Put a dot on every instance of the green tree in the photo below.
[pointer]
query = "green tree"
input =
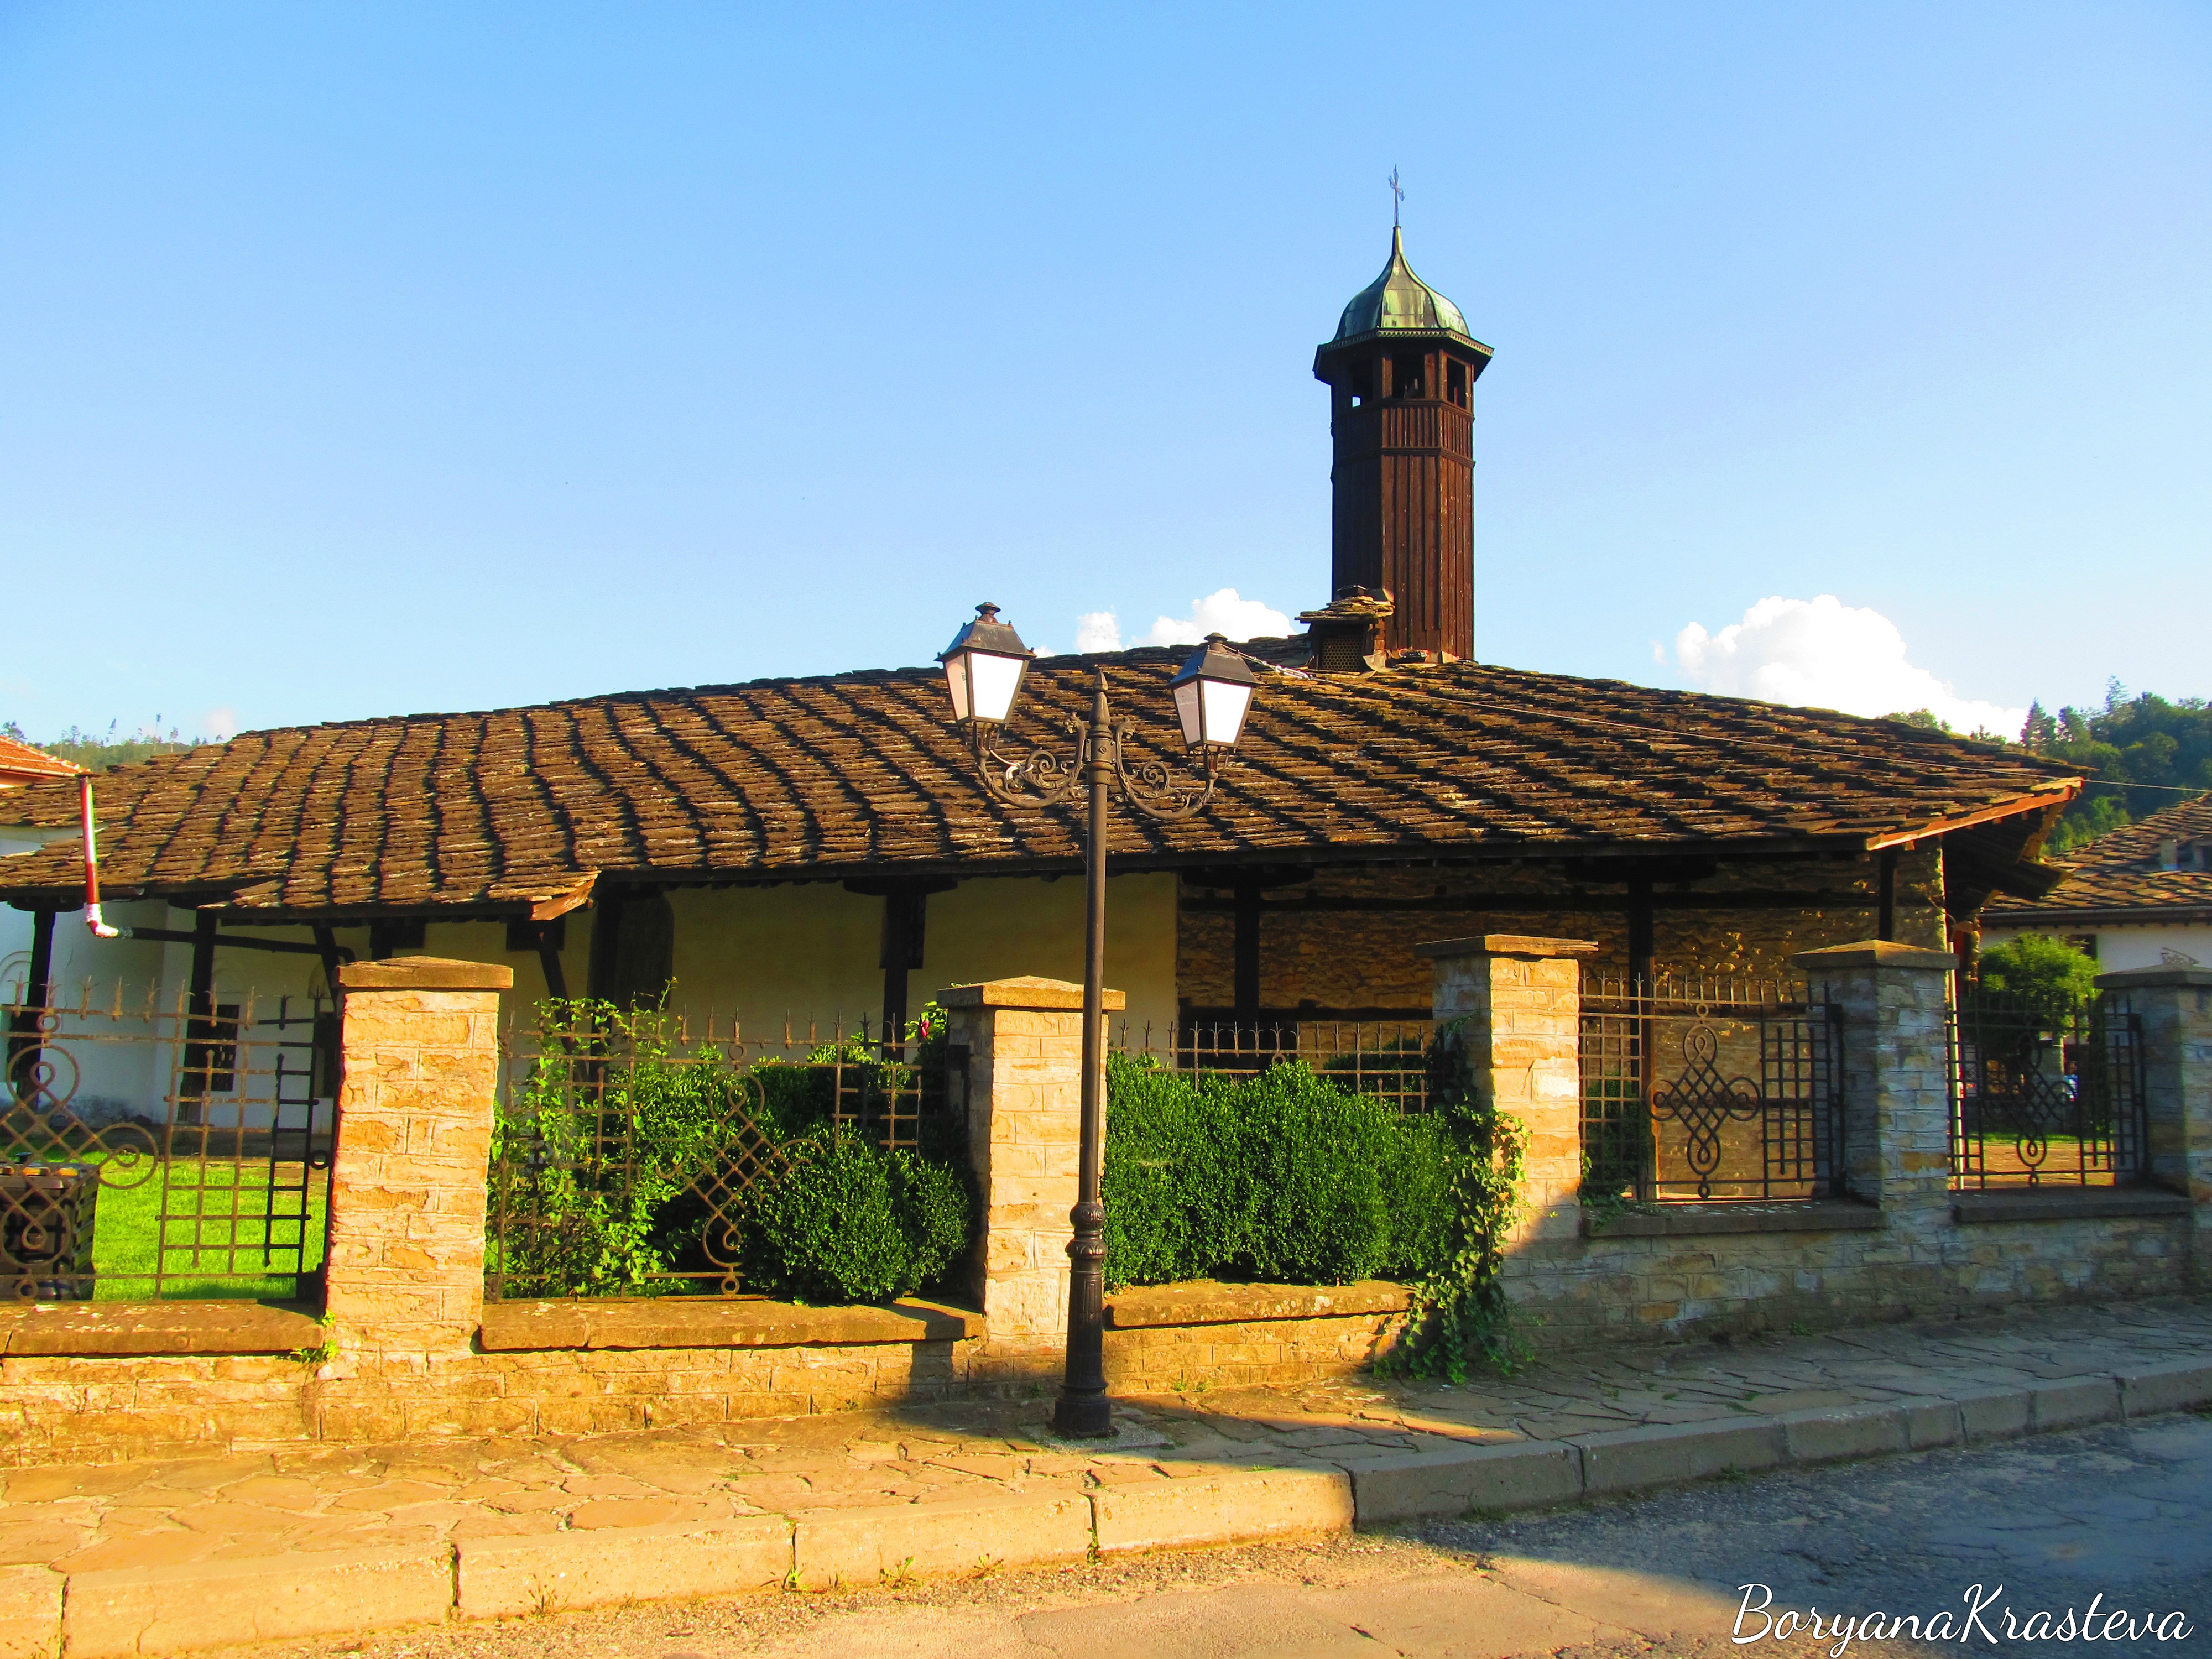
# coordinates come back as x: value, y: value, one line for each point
x: 1924, y: 719
x: 100, y: 752
x: 2044, y: 977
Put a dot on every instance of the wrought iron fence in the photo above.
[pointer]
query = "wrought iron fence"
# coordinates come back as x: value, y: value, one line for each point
x: 1709, y: 1089
x: 627, y: 1147
x: 2046, y: 1091
x: 152, y: 1147
x: 1384, y: 1058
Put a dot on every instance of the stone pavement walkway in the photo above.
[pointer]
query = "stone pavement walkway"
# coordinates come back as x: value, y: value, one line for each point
x: 167, y: 1555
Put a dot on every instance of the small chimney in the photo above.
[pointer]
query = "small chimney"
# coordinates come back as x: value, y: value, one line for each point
x: 1346, y: 635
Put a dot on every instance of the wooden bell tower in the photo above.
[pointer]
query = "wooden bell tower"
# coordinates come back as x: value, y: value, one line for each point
x: 1402, y: 372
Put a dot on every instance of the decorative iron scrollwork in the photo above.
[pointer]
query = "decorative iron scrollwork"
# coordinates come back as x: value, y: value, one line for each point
x: 1036, y: 777
x: 39, y: 1122
x: 1161, y: 791
x: 1049, y: 777
x: 1704, y: 1101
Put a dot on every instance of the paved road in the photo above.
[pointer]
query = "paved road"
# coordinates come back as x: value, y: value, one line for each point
x: 2123, y: 1512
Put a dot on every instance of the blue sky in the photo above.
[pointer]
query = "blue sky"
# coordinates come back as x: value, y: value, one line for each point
x: 370, y: 360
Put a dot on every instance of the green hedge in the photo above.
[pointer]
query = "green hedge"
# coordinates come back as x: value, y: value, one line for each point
x: 1283, y: 1178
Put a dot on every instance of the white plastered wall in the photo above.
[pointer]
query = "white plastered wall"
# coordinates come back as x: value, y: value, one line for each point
x: 812, y: 951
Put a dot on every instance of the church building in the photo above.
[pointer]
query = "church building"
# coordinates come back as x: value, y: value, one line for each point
x: 820, y: 846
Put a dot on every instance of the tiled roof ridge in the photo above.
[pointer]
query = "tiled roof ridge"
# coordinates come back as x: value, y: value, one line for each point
x: 205, y: 760
x: 1397, y: 674
x: 2132, y: 842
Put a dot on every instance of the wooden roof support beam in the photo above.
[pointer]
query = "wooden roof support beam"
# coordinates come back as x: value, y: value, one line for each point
x: 2041, y: 800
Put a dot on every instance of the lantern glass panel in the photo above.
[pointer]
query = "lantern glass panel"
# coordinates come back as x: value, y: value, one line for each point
x: 1224, y: 704
x: 994, y: 681
x: 1189, y: 711
x: 956, y: 685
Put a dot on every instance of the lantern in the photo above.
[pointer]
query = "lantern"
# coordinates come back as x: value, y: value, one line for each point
x: 1212, y: 690
x: 983, y: 668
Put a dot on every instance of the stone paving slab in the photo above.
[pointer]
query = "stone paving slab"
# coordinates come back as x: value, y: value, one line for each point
x: 296, y: 1540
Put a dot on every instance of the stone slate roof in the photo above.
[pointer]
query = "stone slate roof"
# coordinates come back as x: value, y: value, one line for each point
x: 856, y: 774
x: 2117, y: 876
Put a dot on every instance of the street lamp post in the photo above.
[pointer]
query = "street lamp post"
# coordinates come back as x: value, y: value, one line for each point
x: 983, y: 670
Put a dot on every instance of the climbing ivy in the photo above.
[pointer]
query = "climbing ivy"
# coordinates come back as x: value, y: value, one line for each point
x: 1461, y: 1315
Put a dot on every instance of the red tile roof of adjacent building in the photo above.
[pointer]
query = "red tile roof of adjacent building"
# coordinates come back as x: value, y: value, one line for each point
x: 20, y: 764
x: 862, y: 773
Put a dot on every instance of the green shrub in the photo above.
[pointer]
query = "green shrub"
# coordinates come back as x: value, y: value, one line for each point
x: 848, y: 1222
x: 934, y: 1210
x: 1320, y: 1161
x: 1283, y: 1177
x: 596, y: 1165
x: 1175, y: 1188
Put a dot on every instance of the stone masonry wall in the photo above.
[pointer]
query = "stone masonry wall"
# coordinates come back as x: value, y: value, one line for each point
x: 1177, y: 1358
x: 1353, y: 959
x: 106, y: 1409
x: 1656, y: 1289
x: 1901, y: 1245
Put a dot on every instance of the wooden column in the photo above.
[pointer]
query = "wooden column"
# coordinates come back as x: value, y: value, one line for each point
x: 549, y: 961
x: 607, y: 900
x: 905, y: 912
x: 199, y: 1025
x: 25, y: 1051
x: 1641, y: 934
x: 1246, y: 959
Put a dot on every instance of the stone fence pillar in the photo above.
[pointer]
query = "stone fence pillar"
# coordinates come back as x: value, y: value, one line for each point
x: 405, y: 1276
x: 1518, y: 1000
x: 2175, y: 1007
x: 1896, y: 1074
x: 1024, y: 1042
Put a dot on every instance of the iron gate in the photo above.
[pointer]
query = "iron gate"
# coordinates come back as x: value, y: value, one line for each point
x: 1711, y: 1090
x: 2046, y: 1091
x: 148, y: 1149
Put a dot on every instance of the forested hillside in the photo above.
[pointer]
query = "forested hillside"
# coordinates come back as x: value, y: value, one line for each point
x: 2154, y: 750
x: 100, y: 752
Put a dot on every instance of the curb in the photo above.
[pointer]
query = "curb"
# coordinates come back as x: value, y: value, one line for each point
x: 137, y: 1611
x: 1536, y: 1473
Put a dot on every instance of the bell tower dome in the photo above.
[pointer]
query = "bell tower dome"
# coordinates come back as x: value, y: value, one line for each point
x: 1402, y: 372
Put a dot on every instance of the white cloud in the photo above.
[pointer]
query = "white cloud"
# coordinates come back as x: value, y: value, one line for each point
x: 221, y: 723
x: 1823, y: 653
x: 1097, y: 631
x: 1223, y: 612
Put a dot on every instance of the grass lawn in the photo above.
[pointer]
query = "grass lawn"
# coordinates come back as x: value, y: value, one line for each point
x: 221, y: 1208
